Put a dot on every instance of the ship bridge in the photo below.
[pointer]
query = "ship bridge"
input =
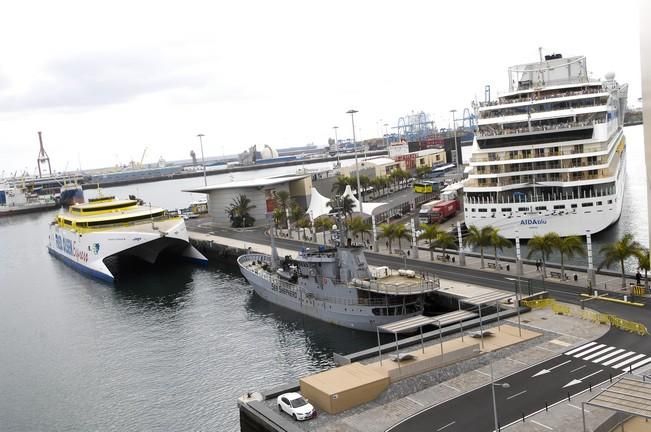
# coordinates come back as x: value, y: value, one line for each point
x: 404, y: 283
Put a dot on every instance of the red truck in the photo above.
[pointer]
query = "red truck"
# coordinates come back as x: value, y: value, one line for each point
x: 443, y: 211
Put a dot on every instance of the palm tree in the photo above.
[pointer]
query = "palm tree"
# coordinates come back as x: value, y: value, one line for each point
x: 296, y: 213
x: 388, y: 231
x: 498, y: 242
x: 480, y: 238
x: 422, y: 171
x: 278, y: 217
x: 345, y: 204
x: 339, y: 186
x: 360, y: 225
x: 402, y: 232
x: 429, y: 233
x: 238, y: 212
x: 619, y: 252
x: 644, y: 264
x: 364, y: 183
x: 445, y: 240
x: 282, y: 201
x: 304, y: 223
x: 569, y: 246
x: 543, y: 244
x: 323, y: 223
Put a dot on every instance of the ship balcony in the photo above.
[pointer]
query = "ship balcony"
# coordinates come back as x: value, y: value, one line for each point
x: 487, y: 133
x: 557, y: 179
x: 507, y: 157
x: 540, y: 95
x: 397, y: 285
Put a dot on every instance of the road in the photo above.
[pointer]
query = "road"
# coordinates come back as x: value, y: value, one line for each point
x: 549, y: 382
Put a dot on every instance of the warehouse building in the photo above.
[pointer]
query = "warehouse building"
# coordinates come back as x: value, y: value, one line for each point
x: 261, y: 192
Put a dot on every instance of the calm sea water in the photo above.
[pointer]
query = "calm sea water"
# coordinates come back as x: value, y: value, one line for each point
x: 174, y: 347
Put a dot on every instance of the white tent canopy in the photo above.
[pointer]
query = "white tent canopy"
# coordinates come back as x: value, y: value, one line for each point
x: 318, y: 204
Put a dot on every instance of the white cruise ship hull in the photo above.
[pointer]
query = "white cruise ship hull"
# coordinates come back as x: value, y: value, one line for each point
x: 591, y: 214
x: 90, y: 252
x: 290, y: 296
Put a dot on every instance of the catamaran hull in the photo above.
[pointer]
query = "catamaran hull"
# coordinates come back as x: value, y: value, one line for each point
x: 90, y: 253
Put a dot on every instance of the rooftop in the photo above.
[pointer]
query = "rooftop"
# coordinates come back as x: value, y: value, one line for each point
x: 253, y: 183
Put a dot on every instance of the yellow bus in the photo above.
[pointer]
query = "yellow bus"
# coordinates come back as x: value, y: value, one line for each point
x: 423, y: 187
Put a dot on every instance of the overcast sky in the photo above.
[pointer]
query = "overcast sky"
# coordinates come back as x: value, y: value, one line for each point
x: 104, y: 80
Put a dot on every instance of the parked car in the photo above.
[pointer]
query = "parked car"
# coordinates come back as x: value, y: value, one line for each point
x: 296, y: 406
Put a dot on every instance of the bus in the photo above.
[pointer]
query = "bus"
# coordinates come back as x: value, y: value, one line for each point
x: 423, y: 187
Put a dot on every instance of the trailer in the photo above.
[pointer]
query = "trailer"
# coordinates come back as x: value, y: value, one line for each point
x: 439, y: 212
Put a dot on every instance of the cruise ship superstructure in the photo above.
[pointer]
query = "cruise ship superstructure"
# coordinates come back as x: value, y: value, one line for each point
x: 336, y: 285
x: 549, y: 155
x: 93, y: 237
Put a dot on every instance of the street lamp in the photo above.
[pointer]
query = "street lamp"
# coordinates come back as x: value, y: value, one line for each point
x: 503, y: 385
x: 359, y: 188
x: 517, y: 300
x: 337, y: 146
x: 454, y: 128
x: 386, y: 135
x: 203, y: 161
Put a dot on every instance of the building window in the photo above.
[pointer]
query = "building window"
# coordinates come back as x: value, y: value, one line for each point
x: 541, y: 208
x: 599, y: 203
x: 493, y: 210
x: 559, y: 207
x: 482, y: 210
x: 506, y: 209
x: 573, y: 205
x: 523, y: 208
x: 610, y: 201
x: 588, y: 204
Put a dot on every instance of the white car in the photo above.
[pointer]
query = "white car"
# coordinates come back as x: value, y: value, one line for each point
x: 296, y: 406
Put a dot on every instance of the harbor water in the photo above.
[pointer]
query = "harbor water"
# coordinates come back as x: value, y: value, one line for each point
x: 172, y: 348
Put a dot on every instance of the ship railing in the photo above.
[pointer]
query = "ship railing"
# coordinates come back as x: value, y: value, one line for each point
x: 541, y: 197
x: 492, y: 132
x: 532, y: 97
x: 418, y: 286
x: 103, y: 227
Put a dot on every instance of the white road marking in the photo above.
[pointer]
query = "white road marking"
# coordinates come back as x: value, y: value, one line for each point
x: 579, y: 408
x: 614, y: 353
x: 592, y: 374
x: 580, y: 380
x: 540, y: 424
x: 546, y: 371
x: 628, y: 360
x: 483, y: 373
x: 516, y: 395
x: 579, y: 368
x: 641, y: 363
x: 618, y: 358
x: 588, y: 351
x: 447, y: 425
x: 560, y: 342
x: 452, y: 387
x: 598, y: 353
x: 581, y: 348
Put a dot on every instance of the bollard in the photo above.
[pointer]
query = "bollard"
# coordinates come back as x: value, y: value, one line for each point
x: 546, y: 407
x: 590, y: 384
x: 630, y: 369
x: 611, y: 378
x: 522, y: 417
x: 568, y: 397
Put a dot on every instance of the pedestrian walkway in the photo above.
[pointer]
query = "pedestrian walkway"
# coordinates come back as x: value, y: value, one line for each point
x: 611, y: 356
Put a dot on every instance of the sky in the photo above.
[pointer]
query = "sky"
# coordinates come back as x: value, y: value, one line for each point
x: 104, y: 81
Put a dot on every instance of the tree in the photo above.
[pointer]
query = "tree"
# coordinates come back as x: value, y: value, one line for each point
x: 364, y: 183
x: 282, y: 200
x: 644, y: 264
x: 304, y: 223
x: 340, y: 183
x: 278, y: 217
x: 445, y: 240
x: 359, y: 225
x: 429, y: 233
x: 238, y: 212
x: 402, y: 232
x: 422, y: 171
x: 296, y: 213
x: 480, y: 238
x: 544, y: 245
x: 324, y: 223
x: 498, y: 242
x: 568, y: 247
x: 620, y: 251
x: 388, y: 232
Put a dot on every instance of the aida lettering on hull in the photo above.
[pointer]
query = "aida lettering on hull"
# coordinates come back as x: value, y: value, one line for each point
x: 533, y: 222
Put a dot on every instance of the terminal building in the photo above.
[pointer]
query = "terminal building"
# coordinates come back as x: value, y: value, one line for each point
x: 261, y: 192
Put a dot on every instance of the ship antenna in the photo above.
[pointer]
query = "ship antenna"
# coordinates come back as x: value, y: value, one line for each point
x: 274, y: 251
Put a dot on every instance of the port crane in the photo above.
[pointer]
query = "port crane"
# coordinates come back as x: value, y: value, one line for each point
x: 42, y: 157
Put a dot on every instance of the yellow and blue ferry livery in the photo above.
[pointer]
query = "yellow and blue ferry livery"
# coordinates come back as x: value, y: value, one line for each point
x: 93, y: 237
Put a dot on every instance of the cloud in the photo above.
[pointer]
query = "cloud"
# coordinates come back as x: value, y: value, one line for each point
x: 98, y: 79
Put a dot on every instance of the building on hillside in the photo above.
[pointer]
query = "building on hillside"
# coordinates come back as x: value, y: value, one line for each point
x: 261, y: 192
x: 413, y: 160
x: 371, y: 166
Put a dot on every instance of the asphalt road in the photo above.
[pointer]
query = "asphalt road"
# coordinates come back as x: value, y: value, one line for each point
x: 569, y: 373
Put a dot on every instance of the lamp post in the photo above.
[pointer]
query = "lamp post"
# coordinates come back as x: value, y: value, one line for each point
x: 517, y: 300
x: 359, y: 188
x: 454, y: 128
x: 504, y: 385
x: 203, y: 161
x: 337, y: 146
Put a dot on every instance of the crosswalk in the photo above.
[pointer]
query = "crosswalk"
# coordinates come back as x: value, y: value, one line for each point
x: 606, y: 355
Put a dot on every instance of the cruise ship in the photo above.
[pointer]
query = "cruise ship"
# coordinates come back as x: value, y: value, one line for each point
x: 95, y: 236
x: 336, y: 285
x: 549, y: 154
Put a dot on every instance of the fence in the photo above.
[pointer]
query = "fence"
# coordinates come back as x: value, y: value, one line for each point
x: 596, y: 317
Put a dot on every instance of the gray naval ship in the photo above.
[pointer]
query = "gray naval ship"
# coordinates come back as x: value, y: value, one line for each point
x: 336, y: 285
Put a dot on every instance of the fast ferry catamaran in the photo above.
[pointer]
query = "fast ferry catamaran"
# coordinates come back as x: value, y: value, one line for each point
x: 549, y: 155
x: 92, y: 237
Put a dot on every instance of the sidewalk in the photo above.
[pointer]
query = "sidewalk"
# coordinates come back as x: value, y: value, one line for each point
x: 603, y: 282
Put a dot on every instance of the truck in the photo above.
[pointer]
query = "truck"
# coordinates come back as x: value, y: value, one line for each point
x: 425, y: 209
x: 440, y: 212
